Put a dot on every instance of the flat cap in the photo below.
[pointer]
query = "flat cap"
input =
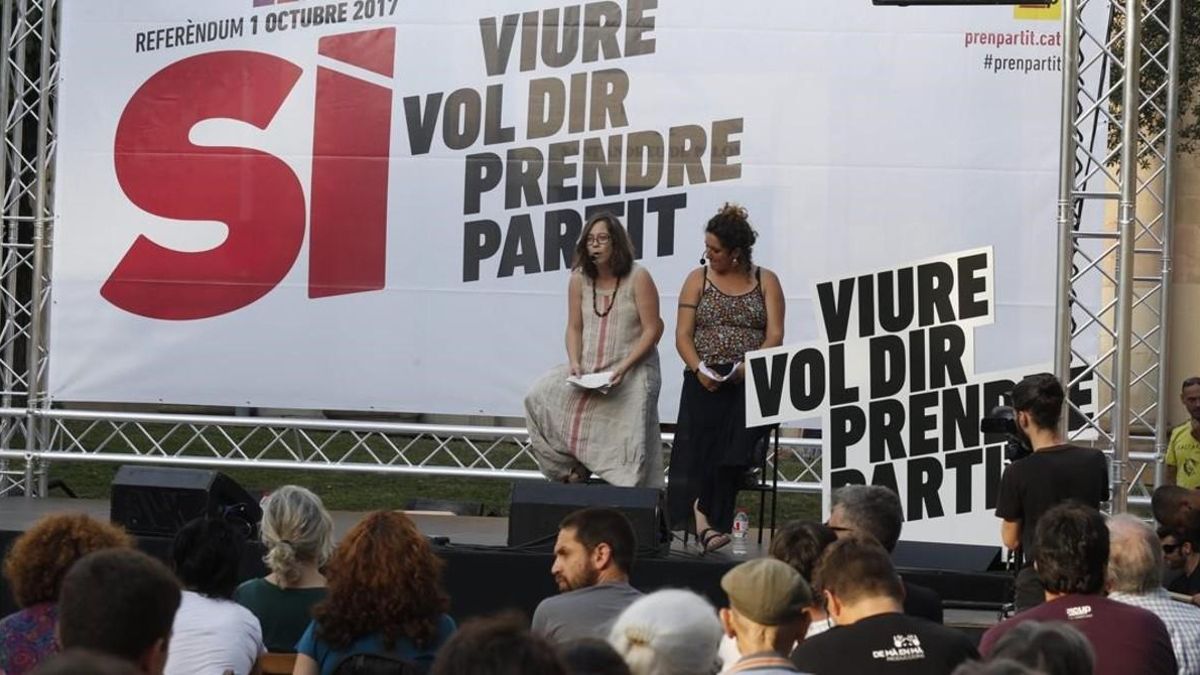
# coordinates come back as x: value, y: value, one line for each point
x: 767, y: 591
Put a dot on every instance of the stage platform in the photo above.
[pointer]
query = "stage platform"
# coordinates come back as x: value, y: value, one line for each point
x: 482, y: 576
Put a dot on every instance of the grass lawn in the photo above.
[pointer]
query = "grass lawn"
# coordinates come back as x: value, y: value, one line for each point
x: 341, y: 490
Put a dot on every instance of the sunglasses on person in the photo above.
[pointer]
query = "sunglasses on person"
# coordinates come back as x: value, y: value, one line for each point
x: 1170, y: 548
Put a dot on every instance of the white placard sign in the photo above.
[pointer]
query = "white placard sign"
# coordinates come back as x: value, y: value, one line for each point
x: 896, y: 387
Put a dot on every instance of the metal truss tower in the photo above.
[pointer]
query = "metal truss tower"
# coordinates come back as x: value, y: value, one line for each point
x: 28, y: 79
x: 1119, y: 122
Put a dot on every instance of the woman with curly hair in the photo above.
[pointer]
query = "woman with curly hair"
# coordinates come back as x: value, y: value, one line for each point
x: 727, y: 308
x: 385, y: 597
x: 34, y: 568
x: 298, y: 534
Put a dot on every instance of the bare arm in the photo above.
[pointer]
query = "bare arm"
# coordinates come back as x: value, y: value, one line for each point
x: 1172, y: 475
x: 1010, y: 534
x: 305, y: 666
x: 773, y: 296
x: 685, y: 325
x: 574, y: 324
x: 645, y: 298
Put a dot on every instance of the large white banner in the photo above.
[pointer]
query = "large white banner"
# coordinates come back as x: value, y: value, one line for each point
x: 370, y: 204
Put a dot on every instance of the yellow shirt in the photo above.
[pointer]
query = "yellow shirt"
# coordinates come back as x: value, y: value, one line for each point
x: 1183, y: 453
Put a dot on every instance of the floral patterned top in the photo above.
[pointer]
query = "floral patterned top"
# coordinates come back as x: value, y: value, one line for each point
x: 27, y: 638
x: 728, y: 326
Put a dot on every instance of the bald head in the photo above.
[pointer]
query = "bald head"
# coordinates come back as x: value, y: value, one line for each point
x: 1175, y: 507
x: 1134, y: 556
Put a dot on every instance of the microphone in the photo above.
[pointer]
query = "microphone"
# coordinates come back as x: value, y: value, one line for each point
x: 703, y: 260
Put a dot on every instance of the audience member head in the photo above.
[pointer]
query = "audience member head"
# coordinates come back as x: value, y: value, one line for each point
x: 1038, y: 401
x: 595, y: 545
x: 1052, y: 648
x: 206, y: 554
x: 1173, y: 557
x: 86, y: 662
x: 500, y: 645
x: 40, y: 557
x: 668, y: 632
x: 734, y: 236
x: 767, y: 603
x: 604, y: 238
x: 871, y: 510
x: 297, y: 531
x: 855, y: 572
x: 800, y: 544
x: 1135, y: 559
x: 120, y: 602
x: 1189, y: 540
x: 1175, y: 507
x: 1072, y: 550
x: 1189, y: 395
x: 589, y: 656
x: 383, y: 578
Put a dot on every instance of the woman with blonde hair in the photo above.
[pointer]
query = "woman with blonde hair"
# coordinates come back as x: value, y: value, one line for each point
x: 669, y: 632
x: 298, y: 534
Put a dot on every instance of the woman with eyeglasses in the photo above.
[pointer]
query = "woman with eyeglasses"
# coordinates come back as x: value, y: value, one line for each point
x: 727, y: 308
x: 613, y: 327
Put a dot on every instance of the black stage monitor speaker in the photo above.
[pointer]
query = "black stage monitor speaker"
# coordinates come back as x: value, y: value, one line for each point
x: 948, y: 557
x: 537, y: 509
x: 152, y: 501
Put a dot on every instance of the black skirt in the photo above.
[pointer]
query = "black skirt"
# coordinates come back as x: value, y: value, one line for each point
x: 711, y: 452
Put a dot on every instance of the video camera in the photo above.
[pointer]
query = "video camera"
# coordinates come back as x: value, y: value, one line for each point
x: 1003, y: 420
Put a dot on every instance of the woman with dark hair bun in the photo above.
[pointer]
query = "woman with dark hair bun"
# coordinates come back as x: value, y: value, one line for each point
x: 211, y: 632
x: 727, y: 308
x: 613, y: 327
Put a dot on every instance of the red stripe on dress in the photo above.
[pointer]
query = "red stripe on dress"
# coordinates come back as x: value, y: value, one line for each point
x: 581, y: 409
x: 576, y: 422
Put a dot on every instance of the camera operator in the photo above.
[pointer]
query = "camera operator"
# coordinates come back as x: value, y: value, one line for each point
x: 1053, y: 473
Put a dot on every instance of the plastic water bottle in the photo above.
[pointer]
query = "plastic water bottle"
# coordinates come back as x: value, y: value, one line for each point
x: 741, y: 531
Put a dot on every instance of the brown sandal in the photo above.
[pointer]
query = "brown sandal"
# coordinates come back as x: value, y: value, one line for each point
x: 713, y: 540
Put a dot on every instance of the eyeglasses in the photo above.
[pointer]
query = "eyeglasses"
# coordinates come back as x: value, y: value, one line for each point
x: 602, y: 238
x: 1170, y: 548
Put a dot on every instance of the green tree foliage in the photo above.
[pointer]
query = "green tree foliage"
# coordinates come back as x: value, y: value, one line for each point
x: 1155, y: 38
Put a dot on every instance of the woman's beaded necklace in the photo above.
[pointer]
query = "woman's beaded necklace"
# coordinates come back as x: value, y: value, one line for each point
x: 611, y: 304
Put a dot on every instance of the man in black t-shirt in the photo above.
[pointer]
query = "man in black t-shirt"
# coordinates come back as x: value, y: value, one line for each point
x: 872, y: 634
x: 1054, y: 473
